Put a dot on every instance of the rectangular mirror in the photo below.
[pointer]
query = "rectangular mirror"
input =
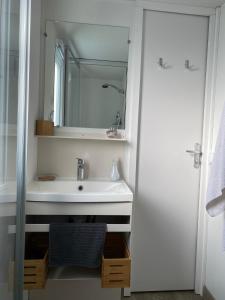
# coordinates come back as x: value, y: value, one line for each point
x: 85, y: 75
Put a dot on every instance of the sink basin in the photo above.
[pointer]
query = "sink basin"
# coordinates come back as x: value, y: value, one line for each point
x: 79, y: 191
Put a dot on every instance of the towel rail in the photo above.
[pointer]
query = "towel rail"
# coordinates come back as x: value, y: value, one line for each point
x: 45, y: 228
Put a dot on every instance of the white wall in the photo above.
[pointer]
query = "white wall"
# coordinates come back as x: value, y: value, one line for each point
x: 105, y: 12
x: 35, y: 42
x: 59, y: 157
x: 99, y: 106
x: 215, y: 267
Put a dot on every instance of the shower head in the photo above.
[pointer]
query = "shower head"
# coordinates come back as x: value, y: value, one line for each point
x: 107, y: 85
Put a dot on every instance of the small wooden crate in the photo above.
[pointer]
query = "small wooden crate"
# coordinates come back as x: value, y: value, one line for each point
x: 116, y: 263
x: 36, y: 262
x: 44, y: 127
x: 35, y: 273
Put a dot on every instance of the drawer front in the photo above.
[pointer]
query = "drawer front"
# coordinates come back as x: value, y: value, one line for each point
x: 34, y: 285
x: 117, y: 267
x: 116, y: 281
x: 98, y: 209
x: 34, y: 281
x: 31, y: 269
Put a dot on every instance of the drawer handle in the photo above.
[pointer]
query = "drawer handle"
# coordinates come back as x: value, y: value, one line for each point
x: 112, y: 266
x: 115, y: 280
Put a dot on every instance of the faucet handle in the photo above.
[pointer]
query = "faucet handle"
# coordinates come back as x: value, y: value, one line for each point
x: 80, y: 161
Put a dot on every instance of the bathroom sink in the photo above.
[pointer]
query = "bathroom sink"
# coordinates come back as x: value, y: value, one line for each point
x: 79, y: 191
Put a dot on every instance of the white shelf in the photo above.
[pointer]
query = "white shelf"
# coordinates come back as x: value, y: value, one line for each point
x: 73, y: 273
x: 83, y: 137
x: 45, y: 228
x: 84, y: 134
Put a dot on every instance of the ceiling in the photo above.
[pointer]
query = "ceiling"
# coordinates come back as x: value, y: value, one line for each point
x: 204, y: 3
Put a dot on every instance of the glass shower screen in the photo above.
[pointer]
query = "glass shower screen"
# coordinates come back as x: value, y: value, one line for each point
x: 10, y: 73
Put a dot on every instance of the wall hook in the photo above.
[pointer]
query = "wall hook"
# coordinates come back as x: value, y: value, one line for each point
x: 162, y: 64
x: 190, y: 67
x: 187, y: 64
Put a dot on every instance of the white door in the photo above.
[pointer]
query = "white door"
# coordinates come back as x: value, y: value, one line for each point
x: 171, y: 122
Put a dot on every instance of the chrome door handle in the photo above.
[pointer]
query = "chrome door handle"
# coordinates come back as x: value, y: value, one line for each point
x: 197, y: 153
x: 193, y: 152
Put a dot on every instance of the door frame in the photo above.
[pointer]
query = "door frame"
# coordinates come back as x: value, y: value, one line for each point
x: 134, y: 88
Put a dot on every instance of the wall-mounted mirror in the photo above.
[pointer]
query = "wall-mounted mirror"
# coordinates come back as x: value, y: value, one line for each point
x: 85, y: 75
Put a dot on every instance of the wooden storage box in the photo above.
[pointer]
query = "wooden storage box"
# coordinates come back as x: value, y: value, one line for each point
x: 116, y: 262
x: 35, y: 264
x: 44, y: 127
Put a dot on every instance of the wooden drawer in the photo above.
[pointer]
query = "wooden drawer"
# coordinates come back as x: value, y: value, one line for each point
x: 116, y: 263
x: 35, y: 263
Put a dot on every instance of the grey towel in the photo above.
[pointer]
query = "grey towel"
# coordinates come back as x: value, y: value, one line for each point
x: 76, y: 244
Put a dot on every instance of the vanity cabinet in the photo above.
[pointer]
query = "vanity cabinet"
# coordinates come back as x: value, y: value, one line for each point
x: 99, y: 209
x: 117, y: 216
x: 114, y: 274
x: 115, y: 268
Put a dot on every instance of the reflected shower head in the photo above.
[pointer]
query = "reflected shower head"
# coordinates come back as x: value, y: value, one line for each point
x: 106, y: 85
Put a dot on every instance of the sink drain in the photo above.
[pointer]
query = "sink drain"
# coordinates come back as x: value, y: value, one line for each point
x: 80, y: 188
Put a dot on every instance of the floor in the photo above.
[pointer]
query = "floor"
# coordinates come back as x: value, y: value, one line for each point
x: 165, y: 296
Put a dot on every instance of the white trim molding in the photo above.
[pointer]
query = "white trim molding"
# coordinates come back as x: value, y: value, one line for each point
x: 135, y: 89
x: 176, y: 8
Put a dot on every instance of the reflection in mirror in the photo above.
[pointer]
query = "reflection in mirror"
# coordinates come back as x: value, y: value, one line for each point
x: 86, y: 75
x: 59, y: 77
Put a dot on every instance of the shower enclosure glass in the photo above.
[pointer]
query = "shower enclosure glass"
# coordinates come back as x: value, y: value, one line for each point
x: 9, y: 78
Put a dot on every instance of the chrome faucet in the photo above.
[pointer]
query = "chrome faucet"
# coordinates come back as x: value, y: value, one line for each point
x: 80, y: 169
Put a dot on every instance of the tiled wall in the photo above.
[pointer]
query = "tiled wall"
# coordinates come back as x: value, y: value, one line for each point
x: 58, y: 156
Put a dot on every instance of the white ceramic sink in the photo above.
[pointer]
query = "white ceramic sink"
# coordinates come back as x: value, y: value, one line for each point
x: 79, y: 191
